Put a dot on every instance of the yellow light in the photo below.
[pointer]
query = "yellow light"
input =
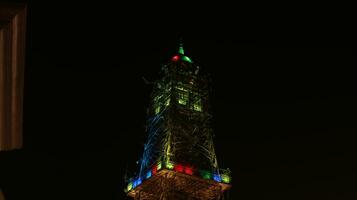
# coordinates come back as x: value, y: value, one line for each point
x: 167, y: 102
x: 159, y: 166
x: 226, y: 178
x: 179, y: 87
x: 182, y: 98
x: 157, y: 109
x: 169, y: 165
x: 197, y: 107
x: 130, y: 186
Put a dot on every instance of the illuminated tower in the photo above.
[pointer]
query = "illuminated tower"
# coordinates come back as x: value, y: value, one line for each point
x: 179, y: 160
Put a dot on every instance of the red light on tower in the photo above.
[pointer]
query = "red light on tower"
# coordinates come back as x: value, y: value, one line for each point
x: 179, y: 168
x: 188, y: 170
x: 175, y: 58
x: 154, y: 170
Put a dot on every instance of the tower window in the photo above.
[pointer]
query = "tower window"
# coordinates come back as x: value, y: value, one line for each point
x: 197, y: 106
x: 182, y: 94
x: 182, y: 98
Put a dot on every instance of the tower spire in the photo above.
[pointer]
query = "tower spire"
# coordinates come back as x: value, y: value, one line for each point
x: 181, y: 51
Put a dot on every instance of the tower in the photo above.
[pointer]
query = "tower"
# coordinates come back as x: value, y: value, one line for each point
x: 179, y: 160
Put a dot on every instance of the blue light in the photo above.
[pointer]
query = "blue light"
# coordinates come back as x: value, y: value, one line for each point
x: 217, y: 177
x: 137, y: 182
x: 148, y: 175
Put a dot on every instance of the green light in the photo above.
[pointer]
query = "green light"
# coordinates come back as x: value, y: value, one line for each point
x: 206, y: 175
x: 157, y: 109
x: 181, y: 101
x: 180, y: 87
x: 182, y: 98
x: 182, y: 94
x: 159, y: 166
x: 167, y: 103
x: 130, y: 186
x: 187, y: 59
x: 226, y: 178
x: 181, y: 51
x: 197, y: 106
x: 169, y: 165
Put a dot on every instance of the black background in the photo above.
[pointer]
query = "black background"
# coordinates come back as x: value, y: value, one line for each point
x: 284, y: 101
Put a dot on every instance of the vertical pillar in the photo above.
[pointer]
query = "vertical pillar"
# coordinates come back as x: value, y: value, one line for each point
x: 1, y: 196
x: 12, y: 61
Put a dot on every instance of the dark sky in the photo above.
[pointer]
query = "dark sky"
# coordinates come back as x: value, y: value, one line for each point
x: 284, y: 100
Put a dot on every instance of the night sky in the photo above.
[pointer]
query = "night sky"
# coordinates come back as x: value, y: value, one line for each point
x: 284, y: 101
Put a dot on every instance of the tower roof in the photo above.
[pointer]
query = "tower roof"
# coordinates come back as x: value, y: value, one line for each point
x: 181, y: 54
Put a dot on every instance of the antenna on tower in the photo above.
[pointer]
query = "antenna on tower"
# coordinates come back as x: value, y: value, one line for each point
x: 181, y: 51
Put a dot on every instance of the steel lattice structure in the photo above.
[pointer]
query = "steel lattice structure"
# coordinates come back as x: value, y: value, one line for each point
x: 179, y: 160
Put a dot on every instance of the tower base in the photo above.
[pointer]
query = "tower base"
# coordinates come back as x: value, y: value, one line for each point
x: 171, y: 185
